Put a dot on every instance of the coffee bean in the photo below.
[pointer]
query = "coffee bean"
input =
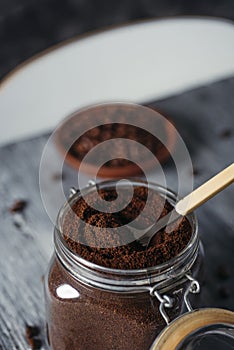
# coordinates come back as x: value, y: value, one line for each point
x: 226, y: 133
x: 18, y: 206
x: 35, y: 344
x: 32, y: 331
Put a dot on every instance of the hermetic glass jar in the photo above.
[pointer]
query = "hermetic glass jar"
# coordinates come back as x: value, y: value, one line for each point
x: 93, y: 307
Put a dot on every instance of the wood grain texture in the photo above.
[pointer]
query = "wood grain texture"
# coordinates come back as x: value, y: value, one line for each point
x: 205, y: 119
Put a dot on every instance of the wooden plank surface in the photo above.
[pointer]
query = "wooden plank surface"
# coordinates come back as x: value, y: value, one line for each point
x: 205, y: 119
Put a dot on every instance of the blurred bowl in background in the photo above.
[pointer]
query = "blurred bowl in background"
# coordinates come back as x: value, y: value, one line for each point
x: 96, y: 139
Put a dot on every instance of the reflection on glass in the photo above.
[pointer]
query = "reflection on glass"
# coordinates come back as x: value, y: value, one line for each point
x: 65, y: 291
x: 215, y: 337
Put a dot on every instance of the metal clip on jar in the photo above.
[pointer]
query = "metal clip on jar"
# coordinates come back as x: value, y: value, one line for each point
x: 93, y: 307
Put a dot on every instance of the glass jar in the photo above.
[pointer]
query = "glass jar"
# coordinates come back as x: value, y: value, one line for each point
x: 93, y: 307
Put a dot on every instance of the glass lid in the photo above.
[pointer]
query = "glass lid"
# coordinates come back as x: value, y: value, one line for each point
x: 198, y: 330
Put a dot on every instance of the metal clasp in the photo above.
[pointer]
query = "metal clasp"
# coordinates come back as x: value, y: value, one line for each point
x: 74, y: 190
x: 165, y: 302
x: 91, y: 182
x: 194, y: 288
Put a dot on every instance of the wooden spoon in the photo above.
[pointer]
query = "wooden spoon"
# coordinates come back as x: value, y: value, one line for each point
x: 188, y: 204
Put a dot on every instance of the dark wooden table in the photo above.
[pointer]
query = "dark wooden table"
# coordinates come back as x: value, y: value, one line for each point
x: 205, y: 119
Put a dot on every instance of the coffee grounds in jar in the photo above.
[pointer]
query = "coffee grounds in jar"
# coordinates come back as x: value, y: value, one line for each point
x: 85, y: 230
x: 99, y: 318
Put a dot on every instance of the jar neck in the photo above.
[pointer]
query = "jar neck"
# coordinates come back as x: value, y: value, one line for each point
x: 164, y: 276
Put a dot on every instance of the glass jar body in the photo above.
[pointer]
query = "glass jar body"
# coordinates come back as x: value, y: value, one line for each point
x: 82, y: 317
x: 92, y: 307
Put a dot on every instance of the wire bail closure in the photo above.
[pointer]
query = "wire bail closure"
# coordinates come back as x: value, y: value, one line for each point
x: 73, y: 190
x: 193, y: 288
x: 166, y: 302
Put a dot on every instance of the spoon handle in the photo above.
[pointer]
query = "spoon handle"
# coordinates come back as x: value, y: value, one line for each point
x: 206, y: 191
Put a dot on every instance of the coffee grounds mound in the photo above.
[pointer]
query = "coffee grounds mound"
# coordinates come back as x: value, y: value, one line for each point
x: 85, y: 229
x: 112, y: 131
x: 120, y: 155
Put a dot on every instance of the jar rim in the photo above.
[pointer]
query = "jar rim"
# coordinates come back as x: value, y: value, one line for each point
x: 163, y: 191
x: 167, y: 267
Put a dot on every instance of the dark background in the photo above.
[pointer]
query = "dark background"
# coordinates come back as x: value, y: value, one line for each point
x: 30, y: 26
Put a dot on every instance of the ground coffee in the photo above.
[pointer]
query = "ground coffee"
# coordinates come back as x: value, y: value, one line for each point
x: 18, y: 206
x: 109, y: 130
x: 105, y: 132
x: 167, y: 244
x: 32, y: 335
x: 119, y: 124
